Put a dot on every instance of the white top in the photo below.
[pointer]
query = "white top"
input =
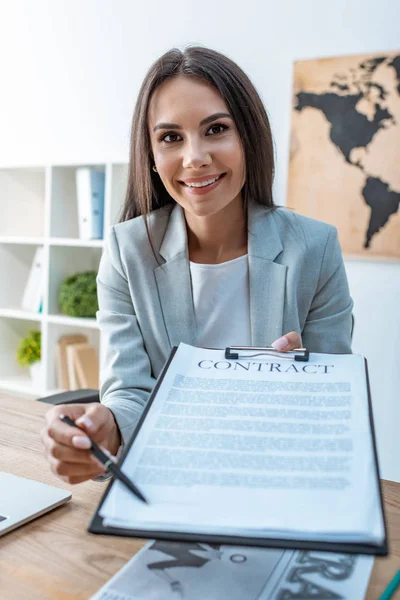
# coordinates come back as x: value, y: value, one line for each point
x: 222, y: 303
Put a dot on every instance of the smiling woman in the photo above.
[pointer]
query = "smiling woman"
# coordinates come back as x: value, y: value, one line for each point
x: 201, y: 254
x: 199, y: 158
x: 189, y: 97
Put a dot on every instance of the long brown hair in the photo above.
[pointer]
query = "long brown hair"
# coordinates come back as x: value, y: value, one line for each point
x: 145, y: 190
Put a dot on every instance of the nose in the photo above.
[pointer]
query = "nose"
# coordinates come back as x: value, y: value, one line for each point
x: 195, y: 154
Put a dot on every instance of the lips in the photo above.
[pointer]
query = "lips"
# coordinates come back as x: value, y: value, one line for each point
x: 199, y: 183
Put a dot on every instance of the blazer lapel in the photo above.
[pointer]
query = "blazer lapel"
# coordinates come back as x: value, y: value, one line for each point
x: 173, y: 282
x: 267, y: 278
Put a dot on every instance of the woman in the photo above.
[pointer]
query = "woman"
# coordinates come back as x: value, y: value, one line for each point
x: 202, y: 255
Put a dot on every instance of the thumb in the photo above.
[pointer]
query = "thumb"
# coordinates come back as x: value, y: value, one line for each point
x: 287, y: 342
x: 92, y: 418
x: 97, y: 420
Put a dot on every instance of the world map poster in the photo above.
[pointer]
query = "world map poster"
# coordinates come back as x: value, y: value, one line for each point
x: 345, y: 149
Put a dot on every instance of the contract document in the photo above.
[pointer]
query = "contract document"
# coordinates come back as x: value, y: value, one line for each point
x: 259, y: 450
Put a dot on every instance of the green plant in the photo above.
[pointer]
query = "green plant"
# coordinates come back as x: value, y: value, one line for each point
x: 29, y: 350
x: 78, y: 295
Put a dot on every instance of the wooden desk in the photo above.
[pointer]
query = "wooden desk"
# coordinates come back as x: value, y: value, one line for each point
x: 54, y: 556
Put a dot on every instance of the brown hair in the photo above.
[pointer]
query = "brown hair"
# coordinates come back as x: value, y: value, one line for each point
x: 145, y: 191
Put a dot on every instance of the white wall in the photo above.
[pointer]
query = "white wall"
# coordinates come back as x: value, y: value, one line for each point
x: 70, y: 71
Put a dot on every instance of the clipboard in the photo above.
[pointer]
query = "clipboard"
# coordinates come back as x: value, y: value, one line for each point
x: 96, y: 525
x: 298, y: 354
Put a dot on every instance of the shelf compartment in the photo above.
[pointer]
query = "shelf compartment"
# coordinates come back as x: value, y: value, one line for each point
x: 15, y: 259
x: 55, y: 331
x: 64, y: 203
x: 14, y: 377
x: 22, y: 199
x: 65, y: 262
x: 116, y: 186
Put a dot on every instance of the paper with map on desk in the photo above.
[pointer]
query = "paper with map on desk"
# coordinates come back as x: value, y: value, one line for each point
x: 263, y: 448
x: 173, y: 570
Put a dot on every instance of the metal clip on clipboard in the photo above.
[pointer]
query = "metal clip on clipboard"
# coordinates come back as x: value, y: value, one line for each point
x: 299, y: 354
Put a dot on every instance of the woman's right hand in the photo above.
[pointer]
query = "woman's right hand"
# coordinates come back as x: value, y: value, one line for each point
x: 66, y: 447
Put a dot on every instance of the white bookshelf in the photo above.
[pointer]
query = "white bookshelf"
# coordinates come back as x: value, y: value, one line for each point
x: 39, y: 208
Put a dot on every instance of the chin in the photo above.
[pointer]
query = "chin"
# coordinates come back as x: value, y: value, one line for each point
x: 204, y: 207
x: 200, y: 211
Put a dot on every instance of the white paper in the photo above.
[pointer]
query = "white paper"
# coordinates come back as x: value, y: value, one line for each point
x: 33, y: 292
x: 257, y: 447
x: 84, y: 202
x: 198, y: 571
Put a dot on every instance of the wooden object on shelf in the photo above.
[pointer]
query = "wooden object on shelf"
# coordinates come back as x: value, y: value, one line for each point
x: 85, y: 365
x: 64, y: 372
x: 72, y: 378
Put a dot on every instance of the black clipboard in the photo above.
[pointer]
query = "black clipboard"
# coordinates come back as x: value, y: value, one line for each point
x: 96, y: 525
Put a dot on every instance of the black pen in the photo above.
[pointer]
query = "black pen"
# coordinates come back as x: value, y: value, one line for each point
x: 107, y: 462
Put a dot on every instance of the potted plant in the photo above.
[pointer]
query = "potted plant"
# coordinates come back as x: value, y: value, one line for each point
x: 29, y: 355
x: 78, y: 295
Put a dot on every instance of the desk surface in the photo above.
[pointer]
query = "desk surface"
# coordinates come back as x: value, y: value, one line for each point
x: 55, y: 557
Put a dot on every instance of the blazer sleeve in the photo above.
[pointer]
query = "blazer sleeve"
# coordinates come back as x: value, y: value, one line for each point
x: 125, y: 375
x: 329, y: 323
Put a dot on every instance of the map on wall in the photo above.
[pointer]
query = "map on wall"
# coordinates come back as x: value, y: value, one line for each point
x: 345, y: 149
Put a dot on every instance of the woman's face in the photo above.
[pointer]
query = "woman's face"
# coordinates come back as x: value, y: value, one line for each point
x: 196, y: 146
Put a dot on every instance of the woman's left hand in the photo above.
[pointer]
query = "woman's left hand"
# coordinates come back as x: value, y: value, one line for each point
x: 288, y: 342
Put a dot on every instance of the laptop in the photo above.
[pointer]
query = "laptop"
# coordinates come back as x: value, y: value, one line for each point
x: 22, y: 500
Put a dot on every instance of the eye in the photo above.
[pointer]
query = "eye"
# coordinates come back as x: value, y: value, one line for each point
x: 217, y: 128
x: 169, y: 138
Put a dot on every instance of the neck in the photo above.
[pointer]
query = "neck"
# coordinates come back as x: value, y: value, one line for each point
x: 219, y: 237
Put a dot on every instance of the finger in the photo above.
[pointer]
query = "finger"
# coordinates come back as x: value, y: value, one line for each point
x: 78, y: 479
x: 55, y: 450
x: 66, y: 453
x: 288, y: 342
x: 74, y: 411
x: 95, y: 421
x: 67, y: 435
x: 66, y: 469
x: 60, y: 431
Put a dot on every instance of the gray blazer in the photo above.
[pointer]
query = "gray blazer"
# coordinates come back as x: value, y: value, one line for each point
x: 297, y: 283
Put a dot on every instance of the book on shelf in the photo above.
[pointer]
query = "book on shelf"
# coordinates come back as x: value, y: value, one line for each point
x: 86, y: 366
x: 83, y: 366
x: 90, y: 188
x: 33, y: 293
x: 62, y: 373
x: 72, y: 378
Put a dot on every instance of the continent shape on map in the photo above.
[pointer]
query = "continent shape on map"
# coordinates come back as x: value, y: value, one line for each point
x: 351, y: 129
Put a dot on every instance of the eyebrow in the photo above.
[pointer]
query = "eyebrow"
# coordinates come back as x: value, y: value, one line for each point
x: 210, y: 119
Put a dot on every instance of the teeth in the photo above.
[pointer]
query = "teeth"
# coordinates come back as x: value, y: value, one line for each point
x: 203, y: 184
